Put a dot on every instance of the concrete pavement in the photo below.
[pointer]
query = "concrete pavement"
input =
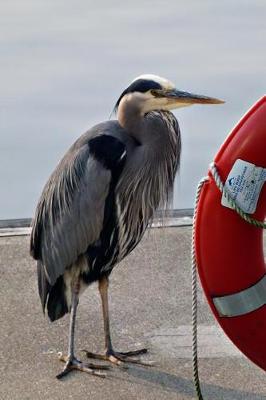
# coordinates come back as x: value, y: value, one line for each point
x: 150, y: 304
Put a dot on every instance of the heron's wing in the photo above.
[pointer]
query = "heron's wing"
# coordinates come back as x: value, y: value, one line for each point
x: 70, y: 213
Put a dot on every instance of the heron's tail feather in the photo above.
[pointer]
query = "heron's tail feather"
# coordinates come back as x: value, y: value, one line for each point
x: 57, y: 303
x: 43, y: 285
x: 52, y: 297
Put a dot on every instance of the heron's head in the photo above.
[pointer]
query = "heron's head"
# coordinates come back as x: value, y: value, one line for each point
x: 152, y: 92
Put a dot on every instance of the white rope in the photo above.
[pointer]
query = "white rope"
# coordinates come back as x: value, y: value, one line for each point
x: 194, y: 296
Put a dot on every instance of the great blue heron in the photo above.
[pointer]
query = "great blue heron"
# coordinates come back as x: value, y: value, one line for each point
x: 98, y: 202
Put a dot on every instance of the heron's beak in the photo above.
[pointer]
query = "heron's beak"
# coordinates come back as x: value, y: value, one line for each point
x: 179, y: 98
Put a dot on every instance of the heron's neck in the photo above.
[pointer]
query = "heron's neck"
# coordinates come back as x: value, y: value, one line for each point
x: 130, y: 118
x: 148, y: 177
x: 153, y: 130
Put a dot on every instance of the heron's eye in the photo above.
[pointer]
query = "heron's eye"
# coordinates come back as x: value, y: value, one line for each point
x: 157, y: 92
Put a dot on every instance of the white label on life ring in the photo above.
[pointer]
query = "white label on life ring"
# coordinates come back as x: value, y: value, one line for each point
x: 244, y: 184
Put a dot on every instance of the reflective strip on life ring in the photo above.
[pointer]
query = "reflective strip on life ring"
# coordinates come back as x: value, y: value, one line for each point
x: 243, y: 302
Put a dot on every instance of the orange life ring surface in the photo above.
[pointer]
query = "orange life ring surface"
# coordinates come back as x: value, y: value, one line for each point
x: 229, y: 251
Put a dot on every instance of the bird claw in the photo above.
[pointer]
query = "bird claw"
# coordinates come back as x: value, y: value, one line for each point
x: 119, y: 359
x: 74, y: 364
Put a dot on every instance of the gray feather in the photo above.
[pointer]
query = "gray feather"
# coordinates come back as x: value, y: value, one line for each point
x: 70, y: 212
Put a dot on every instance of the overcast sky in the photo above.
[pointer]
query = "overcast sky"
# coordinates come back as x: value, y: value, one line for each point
x: 64, y: 64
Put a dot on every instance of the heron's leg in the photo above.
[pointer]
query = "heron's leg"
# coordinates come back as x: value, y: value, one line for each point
x: 110, y: 354
x: 70, y: 360
x: 103, y: 289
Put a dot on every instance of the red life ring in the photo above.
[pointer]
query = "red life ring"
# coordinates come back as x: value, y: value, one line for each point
x: 229, y: 251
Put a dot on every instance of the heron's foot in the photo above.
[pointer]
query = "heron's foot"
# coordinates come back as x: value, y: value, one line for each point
x: 118, y: 358
x: 74, y: 364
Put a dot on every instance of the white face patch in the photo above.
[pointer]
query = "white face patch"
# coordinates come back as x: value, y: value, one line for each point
x: 165, y: 83
x: 146, y: 101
